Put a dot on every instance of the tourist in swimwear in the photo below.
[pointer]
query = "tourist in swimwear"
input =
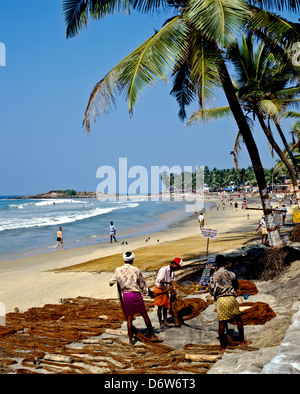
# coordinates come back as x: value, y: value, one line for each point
x: 59, y: 239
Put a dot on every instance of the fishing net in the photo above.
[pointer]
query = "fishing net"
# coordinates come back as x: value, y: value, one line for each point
x: 274, y: 261
x: 62, y: 330
x: 246, y: 287
x: 72, y: 330
x: 295, y: 233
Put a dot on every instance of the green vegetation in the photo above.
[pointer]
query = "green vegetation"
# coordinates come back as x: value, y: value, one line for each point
x: 224, y: 178
x: 70, y: 192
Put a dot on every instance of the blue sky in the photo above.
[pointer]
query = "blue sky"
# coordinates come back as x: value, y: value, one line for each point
x: 44, y: 90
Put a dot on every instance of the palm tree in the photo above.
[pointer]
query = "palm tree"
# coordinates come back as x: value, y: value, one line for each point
x: 263, y: 90
x: 191, y: 44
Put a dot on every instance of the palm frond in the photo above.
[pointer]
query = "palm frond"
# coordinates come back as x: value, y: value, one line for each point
x: 183, y: 88
x: 75, y: 15
x: 204, y: 61
x: 218, y: 20
x: 149, y: 63
x: 279, y: 29
x: 269, y: 108
x: 207, y: 114
x: 291, y: 115
x: 279, y: 5
x: 236, y: 149
x: 77, y: 12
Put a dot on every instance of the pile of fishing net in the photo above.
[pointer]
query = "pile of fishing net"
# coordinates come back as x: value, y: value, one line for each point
x: 273, y: 262
x: 67, y: 338
x: 252, y: 312
x: 295, y: 233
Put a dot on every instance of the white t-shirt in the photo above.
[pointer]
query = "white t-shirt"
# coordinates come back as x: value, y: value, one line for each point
x: 112, y: 229
x: 262, y: 223
x: 201, y: 218
x: 165, y: 275
x: 283, y: 211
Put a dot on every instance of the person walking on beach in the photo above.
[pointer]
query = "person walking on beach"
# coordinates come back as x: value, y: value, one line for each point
x: 195, y: 211
x: 59, y: 239
x: 201, y: 220
x: 283, y: 213
x: 264, y: 232
x: 223, y: 285
x: 112, y: 232
x: 131, y: 286
x: 164, y: 279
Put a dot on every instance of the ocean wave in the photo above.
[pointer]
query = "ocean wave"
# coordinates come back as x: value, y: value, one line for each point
x: 58, y: 201
x: 47, y: 202
x: 29, y: 222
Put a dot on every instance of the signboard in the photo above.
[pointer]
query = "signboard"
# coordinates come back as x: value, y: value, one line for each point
x: 208, y: 270
x: 296, y: 217
x: 208, y: 233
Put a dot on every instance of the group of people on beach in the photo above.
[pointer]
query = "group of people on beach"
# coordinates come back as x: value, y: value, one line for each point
x: 132, y: 286
x: 59, y: 236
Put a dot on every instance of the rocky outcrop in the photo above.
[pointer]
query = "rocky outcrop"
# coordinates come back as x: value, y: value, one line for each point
x: 59, y: 194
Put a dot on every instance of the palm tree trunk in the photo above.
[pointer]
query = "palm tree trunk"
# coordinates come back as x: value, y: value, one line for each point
x: 289, y: 152
x: 291, y: 156
x: 279, y: 152
x: 273, y: 233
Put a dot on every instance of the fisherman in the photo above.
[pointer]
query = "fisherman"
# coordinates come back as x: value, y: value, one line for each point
x: 131, y: 286
x: 223, y: 285
x: 165, y: 278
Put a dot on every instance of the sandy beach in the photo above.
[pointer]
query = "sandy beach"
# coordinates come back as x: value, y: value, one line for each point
x: 51, y: 289
x: 41, y: 279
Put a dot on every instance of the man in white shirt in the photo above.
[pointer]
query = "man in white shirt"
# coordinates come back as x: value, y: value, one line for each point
x: 164, y: 280
x: 283, y: 213
x: 264, y: 232
x: 132, y: 287
x: 112, y: 232
x: 201, y: 220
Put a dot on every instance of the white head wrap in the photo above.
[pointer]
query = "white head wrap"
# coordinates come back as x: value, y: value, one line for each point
x: 128, y: 258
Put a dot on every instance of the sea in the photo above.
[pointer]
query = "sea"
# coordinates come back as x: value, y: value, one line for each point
x: 28, y: 227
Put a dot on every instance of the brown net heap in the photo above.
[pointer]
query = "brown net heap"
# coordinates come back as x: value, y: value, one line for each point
x: 66, y: 338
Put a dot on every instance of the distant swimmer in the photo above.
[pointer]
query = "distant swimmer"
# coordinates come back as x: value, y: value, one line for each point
x: 59, y: 239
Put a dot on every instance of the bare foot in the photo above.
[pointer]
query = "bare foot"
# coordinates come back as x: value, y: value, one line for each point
x: 155, y: 339
x: 246, y: 343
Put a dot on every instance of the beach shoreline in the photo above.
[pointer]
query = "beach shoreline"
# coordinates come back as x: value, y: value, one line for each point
x: 159, y: 223
x: 40, y: 279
